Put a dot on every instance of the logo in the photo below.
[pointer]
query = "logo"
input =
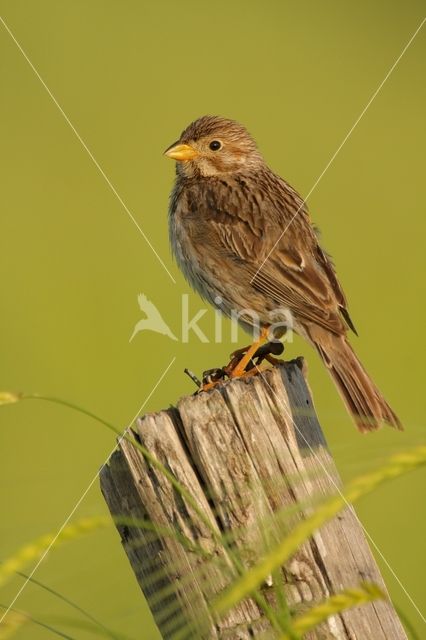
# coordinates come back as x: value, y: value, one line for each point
x: 280, y: 321
x: 153, y: 320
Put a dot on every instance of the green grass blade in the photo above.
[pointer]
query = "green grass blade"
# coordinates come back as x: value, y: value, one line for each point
x: 278, y: 556
x: 412, y: 634
x: 9, y: 397
x: 34, y: 550
x: 72, y: 604
x: 347, y: 599
x: 185, y: 494
x: 11, y: 624
x: 75, y: 623
x: 30, y: 618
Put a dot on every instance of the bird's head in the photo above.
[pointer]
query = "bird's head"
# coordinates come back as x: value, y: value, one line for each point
x: 212, y: 146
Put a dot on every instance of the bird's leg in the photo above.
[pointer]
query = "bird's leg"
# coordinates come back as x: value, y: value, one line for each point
x: 267, y: 352
x: 242, y: 363
x: 238, y: 353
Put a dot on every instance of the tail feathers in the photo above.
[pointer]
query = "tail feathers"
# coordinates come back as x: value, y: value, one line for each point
x: 363, y: 400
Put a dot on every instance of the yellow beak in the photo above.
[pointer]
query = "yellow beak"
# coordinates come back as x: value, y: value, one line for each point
x: 181, y: 152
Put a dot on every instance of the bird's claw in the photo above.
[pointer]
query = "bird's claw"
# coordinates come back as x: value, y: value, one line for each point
x: 212, y: 377
x: 266, y: 352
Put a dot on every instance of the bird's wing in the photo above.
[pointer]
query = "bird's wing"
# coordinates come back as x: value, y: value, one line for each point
x: 264, y: 223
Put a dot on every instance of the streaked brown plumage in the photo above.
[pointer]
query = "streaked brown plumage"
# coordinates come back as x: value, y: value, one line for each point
x: 227, y: 212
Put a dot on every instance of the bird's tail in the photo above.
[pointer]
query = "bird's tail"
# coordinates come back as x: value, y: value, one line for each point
x: 363, y: 400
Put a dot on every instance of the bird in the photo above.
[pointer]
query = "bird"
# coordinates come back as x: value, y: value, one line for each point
x: 153, y: 320
x: 244, y: 239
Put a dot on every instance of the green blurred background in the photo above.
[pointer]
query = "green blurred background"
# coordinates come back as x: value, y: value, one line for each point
x: 130, y: 76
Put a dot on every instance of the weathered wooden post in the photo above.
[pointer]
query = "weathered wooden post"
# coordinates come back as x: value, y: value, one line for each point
x: 245, y: 451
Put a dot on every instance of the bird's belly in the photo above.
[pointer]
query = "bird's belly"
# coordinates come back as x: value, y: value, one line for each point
x: 201, y: 278
x: 225, y: 284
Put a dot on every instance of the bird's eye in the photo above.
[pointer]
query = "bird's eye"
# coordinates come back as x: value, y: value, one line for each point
x: 215, y: 145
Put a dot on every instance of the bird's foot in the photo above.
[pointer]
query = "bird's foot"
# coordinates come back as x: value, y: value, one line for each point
x: 215, y: 377
x: 240, y: 365
x: 242, y: 358
x: 244, y: 362
x: 212, y: 377
x: 266, y: 352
